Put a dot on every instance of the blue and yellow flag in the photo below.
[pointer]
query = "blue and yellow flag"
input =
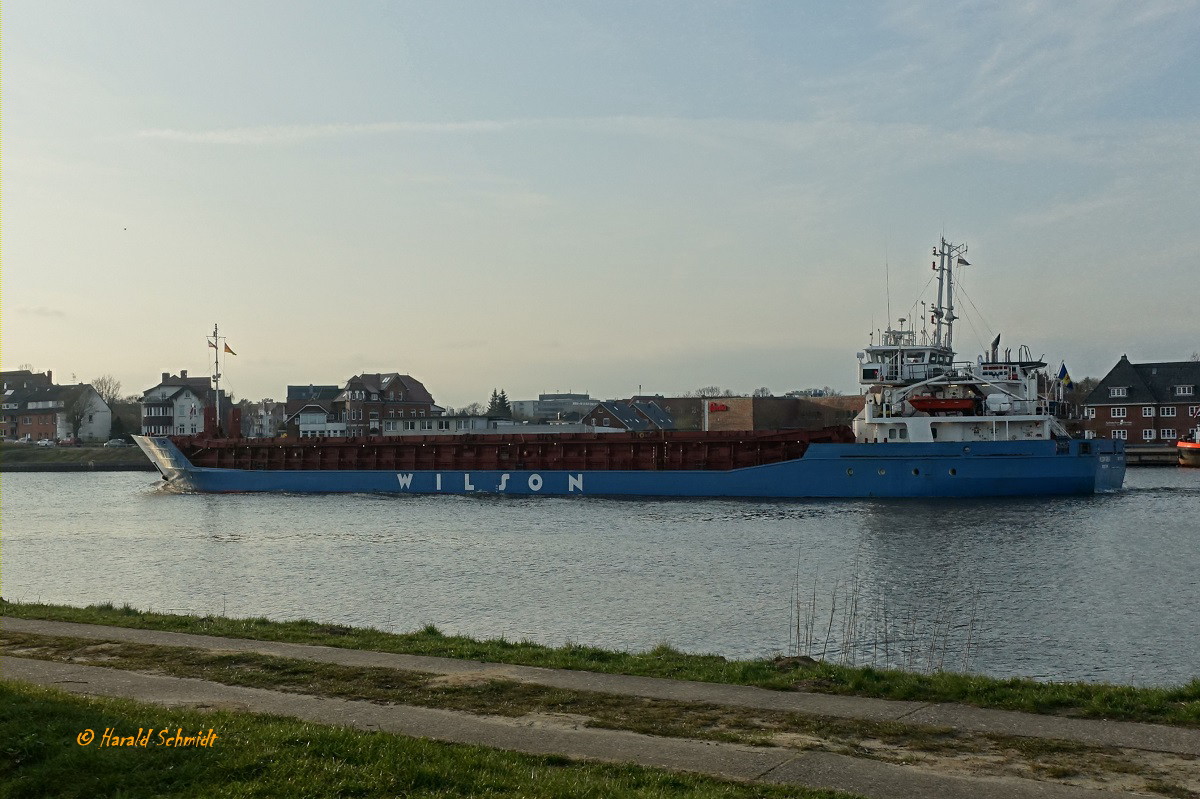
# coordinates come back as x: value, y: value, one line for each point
x: 1063, y: 377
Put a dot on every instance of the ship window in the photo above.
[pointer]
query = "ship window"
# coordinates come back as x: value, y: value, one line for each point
x: 882, y: 472
x: 916, y: 472
x: 903, y: 432
x: 849, y: 472
x: 953, y: 472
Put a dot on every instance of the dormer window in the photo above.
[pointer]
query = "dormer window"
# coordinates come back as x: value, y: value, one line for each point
x: 1118, y: 391
x: 1185, y: 391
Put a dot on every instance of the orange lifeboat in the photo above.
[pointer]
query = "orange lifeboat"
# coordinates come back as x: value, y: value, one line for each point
x: 941, y: 404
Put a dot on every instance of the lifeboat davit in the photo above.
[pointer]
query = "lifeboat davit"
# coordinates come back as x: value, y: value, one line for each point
x: 941, y: 404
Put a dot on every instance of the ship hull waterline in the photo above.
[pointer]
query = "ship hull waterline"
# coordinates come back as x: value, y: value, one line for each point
x: 898, y: 470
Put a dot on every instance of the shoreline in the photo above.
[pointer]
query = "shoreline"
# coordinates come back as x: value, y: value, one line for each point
x: 77, y: 467
x: 1177, y: 705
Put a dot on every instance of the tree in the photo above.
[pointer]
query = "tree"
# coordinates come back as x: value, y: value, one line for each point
x: 705, y: 391
x: 498, y: 405
x: 76, y: 410
x: 109, y: 389
x: 474, y: 409
x: 762, y: 391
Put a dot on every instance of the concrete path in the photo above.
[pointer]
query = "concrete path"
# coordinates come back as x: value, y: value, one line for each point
x: 728, y: 761
x: 1149, y: 737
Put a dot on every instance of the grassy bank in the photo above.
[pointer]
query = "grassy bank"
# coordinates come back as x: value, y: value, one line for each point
x: 932, y: 748
x: 1178, y: 705
x: 13, y: 454
x: 265, y: 756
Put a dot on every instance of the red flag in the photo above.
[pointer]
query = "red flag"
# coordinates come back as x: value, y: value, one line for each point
x: 214, y: 346
x: 231, y: 352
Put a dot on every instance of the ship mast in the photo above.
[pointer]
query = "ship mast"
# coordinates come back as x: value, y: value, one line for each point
x: 215, y: 343
x: 948, y: 256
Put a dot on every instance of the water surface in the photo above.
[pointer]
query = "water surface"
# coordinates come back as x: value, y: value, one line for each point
x: 1091, y: 588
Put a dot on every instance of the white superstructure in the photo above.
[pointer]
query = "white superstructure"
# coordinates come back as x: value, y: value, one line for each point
x: 917, y: 391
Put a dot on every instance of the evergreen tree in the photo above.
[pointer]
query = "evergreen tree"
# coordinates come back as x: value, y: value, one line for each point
x: 498, y: 405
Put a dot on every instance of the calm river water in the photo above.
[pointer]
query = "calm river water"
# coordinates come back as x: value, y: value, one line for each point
x: 1089, y: 588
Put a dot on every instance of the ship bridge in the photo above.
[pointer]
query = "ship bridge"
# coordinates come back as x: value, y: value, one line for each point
x: 899, y: 360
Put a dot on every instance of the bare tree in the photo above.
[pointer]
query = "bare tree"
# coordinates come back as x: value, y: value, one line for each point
x: 705, y: 391
x: 474, y: 409
x: 762, y: 391
x: 109, y: 389
x: 76, y: 410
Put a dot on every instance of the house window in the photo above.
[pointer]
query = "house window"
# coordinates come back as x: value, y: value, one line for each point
x: 427, y: 425
x: 1118, y: 392
x: 1167, y: 434
x: 606, y: 424
x: 1147, y: 410
x: 1148, y: 435
x: 443, y: 425
x: 1089, y: 434
x: 1194, y: 410
x: 410, y: 425
x: 1120, y: 435
x: 1118, y: 413
x: 1184, y: 391
x: 1089, y: 413
x: 1168, y: 411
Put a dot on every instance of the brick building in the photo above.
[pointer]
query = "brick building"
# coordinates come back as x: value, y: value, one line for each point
x: 377, y: 404
x: 1145, y: 403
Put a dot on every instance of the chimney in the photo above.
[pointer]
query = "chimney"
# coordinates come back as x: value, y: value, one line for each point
x: 183, y: 374
x: 49, y: 377
x: 166, y: 376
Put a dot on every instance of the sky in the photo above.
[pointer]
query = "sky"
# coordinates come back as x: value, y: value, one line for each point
x: 608, y: 197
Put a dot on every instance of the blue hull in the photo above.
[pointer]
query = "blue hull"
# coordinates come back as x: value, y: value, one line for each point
x: 903, y: 469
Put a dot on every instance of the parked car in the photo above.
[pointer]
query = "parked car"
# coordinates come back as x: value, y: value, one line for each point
x: 46, y: 442
x: 116, y: 442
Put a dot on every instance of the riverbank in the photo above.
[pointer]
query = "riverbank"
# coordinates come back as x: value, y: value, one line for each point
x: 1179, y: 705
x: 91, y: 458
x: 876, y: 748
x: 255, y: 755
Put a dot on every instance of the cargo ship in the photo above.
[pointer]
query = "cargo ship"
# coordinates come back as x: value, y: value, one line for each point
x: 931, y: 426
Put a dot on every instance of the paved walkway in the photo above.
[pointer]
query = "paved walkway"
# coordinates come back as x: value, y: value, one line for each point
x: 728, y: 761
x: 1149, y: 737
